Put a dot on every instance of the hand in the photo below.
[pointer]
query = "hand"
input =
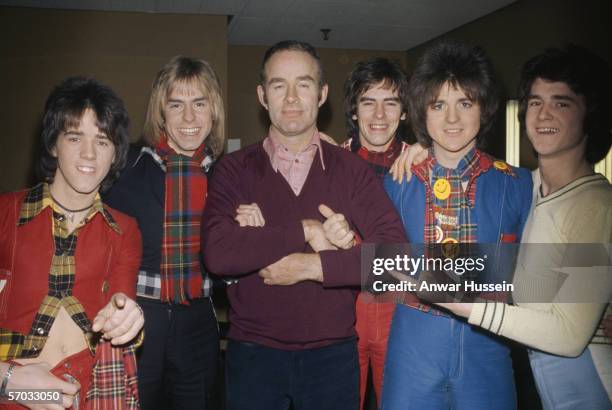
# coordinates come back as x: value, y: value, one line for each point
x: 327, y: 138
x: 249, y: 215
x: 412, y: 155
x: 336, y: 228
x: 292, y: 269
x: 120, y: 320
x: 38, y: 376
x: 315, y: 235
x: 607, y: 326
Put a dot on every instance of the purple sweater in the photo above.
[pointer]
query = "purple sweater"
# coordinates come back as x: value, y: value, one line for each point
x: 307, y: 314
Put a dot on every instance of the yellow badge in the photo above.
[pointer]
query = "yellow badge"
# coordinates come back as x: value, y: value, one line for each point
x: 450, y: 247
x: 442, y: 189
x: 501, y: 165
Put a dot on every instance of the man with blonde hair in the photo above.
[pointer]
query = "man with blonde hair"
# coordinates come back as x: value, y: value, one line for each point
x: 164, y: 187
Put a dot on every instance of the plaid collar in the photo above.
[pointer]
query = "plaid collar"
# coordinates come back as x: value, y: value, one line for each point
x: 464, y: 169
x: 353, y: 144
x: 206, y: 163
x: 38, y: 199
x: 475, y: 163
x: 384, y: 158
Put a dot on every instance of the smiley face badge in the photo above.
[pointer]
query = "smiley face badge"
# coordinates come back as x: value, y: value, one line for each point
x: 501, y: 165
x: 442, y: 189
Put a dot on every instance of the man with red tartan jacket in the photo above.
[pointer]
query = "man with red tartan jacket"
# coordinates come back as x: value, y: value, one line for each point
x: 270, y: 222
x: 375, y: 103
x: 68, y: 262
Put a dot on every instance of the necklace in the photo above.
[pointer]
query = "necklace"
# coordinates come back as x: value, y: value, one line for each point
x: 70, y: 213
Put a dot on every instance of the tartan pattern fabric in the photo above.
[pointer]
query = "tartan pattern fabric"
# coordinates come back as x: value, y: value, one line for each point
x: 11, y: 344
x: 458, y: 204
x: 379, y: 161
x: 185, y: 196
x: 149, y: 283
x: 61, y: 278
x: 114, y: 383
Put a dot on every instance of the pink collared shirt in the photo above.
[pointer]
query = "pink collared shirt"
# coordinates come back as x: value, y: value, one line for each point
x: 294, y: 167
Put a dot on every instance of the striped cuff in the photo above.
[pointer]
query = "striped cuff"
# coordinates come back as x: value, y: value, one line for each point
x: 488, y: 315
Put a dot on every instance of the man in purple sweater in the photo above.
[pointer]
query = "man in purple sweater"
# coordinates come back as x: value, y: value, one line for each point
x: 292, y: 336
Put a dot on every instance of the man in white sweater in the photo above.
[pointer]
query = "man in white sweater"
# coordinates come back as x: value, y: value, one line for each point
x: 565, y: 110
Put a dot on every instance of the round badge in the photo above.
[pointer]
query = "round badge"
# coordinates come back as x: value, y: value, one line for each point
x: 450, y: 247
x: 442, y: 189
x: 501, y: 165
x: 439, y: 234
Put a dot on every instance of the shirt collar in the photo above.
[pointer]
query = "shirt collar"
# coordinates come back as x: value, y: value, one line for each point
x: 470, y: 166
x: 38, y: 199
x: 389, y: 152
x: 465, y: 166
x: 272, y: 146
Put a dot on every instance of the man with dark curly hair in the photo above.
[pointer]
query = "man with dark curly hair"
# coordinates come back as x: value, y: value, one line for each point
x: 68, y: 262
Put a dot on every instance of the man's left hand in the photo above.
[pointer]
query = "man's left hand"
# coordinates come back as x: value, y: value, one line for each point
x: 336, y: 228
x: 120, y: 320
x: 412, y: 155
x: 249, y: 215
x: 292, y: 269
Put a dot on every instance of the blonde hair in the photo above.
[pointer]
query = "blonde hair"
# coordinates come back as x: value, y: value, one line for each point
x: 185, y: 70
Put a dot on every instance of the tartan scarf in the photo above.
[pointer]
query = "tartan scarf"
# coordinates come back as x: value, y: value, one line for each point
x: 457, y: 205
x: 379, y: 161
x: 185, y: 196
x: 450, y: 217
x: 114, y: 385
x: 452, y: 214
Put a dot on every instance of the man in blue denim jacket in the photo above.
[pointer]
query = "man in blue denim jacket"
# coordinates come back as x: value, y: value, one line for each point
x: 458, y: 195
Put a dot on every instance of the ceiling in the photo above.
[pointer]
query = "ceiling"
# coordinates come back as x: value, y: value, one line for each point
x: 354, y: 24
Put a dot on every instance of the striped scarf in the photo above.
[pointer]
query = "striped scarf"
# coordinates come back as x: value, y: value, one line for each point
x: 186, y: 188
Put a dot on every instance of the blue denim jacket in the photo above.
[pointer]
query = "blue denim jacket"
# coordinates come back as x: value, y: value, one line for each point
x: 500, y: 211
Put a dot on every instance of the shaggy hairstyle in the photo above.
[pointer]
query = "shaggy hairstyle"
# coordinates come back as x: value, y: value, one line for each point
x: 185, y: 70
x: 585, y: 74
x: 367, y: 74
x: 464, y: 67
x: 64, y: 110
x: 291, y: 45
